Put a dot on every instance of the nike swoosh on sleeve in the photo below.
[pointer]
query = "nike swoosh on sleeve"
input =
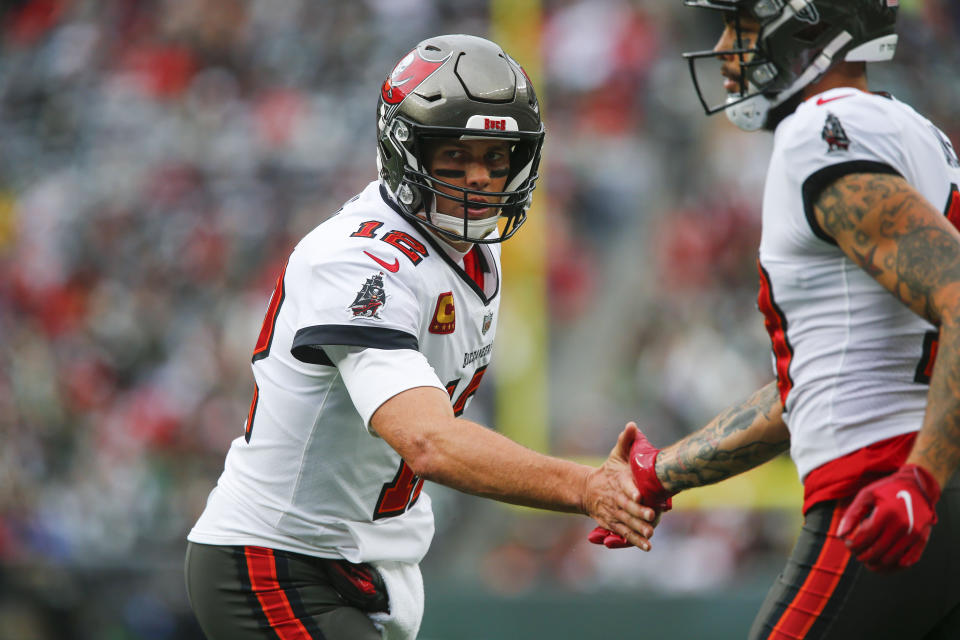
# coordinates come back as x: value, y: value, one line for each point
x: 392, y: 268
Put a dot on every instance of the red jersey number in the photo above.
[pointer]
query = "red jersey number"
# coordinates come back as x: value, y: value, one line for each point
x: 264, y: 340
x: 262, y: 350
x: 401, y: 493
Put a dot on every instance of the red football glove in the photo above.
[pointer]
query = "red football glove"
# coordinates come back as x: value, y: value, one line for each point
x: 607, y: 538
x: 643, y: 460
x: 889, y: 521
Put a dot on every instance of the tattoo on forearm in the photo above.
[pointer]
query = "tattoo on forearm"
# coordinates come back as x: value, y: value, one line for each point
x: 938, y: 444
x: 738, y: 439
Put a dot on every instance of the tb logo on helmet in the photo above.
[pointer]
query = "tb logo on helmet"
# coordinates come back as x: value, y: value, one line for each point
x: 407, y: 76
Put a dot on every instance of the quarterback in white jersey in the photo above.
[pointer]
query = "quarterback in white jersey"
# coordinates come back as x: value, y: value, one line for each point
x: 859, y: 267
x: 368, y: 305
x: 377, y: 335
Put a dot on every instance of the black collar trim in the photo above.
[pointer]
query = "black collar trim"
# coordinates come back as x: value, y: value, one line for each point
x: 485, y: 264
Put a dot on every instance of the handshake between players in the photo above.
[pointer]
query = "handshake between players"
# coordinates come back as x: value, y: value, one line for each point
x: 643, y: 461
x: 886, y: 525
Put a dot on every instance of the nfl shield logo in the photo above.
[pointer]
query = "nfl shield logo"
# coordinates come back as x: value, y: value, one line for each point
x: 487, y: 321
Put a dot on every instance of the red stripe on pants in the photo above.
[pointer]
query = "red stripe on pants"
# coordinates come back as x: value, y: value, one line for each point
x: 817, y: 589
x: 263, y: 579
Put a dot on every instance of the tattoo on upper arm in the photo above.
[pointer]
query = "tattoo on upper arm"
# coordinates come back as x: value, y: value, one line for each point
x: 895, y: 235
x: 867, y: 261
x: 719, y: 450
x: 910, y: 247
x: 927, y: 257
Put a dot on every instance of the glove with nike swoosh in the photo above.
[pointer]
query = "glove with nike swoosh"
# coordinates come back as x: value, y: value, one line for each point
x: 889, y: 521
x: 643, y: 460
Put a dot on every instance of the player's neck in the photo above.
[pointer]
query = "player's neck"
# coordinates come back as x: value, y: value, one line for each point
x: 456, y: 250
x: 846, y: 74
x: 459, y: 247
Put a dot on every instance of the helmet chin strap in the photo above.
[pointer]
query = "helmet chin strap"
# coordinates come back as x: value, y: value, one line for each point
x: 748, y: 114
x: 476, y: 229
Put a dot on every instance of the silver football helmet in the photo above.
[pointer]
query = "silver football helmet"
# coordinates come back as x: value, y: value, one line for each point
x: 463, y: 87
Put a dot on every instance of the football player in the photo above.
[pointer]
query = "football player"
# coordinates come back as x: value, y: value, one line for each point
x: 859, y: 267
x: 378, y: 334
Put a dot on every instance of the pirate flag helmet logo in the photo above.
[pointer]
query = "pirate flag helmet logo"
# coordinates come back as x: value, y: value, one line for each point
x: 407, y: 76
x: 370, y: 298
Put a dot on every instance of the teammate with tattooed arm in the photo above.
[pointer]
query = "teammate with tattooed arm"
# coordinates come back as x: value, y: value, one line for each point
x: 859, y: 267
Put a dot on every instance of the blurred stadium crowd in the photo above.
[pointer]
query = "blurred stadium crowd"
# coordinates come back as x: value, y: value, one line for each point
x: 160, y: 158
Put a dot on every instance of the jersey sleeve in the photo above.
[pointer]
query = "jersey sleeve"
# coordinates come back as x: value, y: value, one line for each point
x: 345, y: 297
x: 373, y: 376
x: 835, y: 136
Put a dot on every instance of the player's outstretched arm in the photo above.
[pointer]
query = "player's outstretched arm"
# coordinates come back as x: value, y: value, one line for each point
x: 419, y: 424
x: 740, y: 438
x: 894, y: 234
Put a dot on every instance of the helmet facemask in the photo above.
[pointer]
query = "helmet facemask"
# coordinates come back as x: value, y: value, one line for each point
x: 419, y: 188
x: 748, y: 106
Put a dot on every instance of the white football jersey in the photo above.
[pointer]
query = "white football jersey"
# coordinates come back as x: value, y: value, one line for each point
x: 369, y: 305
x: 852, y: 361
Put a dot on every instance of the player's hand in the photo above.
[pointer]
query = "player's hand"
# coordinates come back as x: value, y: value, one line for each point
x: 612, y: 498
x: 643, y: 459
x: 889, y: 521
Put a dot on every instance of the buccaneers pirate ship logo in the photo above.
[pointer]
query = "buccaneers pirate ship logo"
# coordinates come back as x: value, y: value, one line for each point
x: 834, y: 135
x: 370, y: 298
